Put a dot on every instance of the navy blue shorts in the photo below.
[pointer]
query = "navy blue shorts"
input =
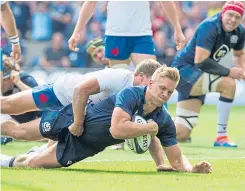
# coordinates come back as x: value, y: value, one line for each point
x: 45, y: 98
x: 189, y: 74
x: 71, y: 149
x: 120, y: 48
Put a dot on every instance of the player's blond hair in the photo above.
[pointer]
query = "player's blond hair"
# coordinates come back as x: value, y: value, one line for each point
x: 147, y: 66
x: 166, y: 72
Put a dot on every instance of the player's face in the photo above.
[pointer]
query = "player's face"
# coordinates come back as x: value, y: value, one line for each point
x: 99, y: 57
x: 161, y: 90
x: 231, y: 20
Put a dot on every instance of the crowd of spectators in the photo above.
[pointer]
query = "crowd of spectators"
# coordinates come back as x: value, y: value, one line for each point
x: 54, y: 22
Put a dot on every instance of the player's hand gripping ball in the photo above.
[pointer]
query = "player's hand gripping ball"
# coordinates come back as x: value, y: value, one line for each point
x: 139, y: 144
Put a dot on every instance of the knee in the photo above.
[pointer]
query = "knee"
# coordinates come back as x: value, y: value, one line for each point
x: 228, y: 84
x: 185, y: 121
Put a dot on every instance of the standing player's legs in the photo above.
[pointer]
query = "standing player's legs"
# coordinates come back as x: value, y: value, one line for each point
x: 143, y: 48
x: 38, y: 98
x: 26, y: 131
x: 117, y: 50
x: 46, y: 159
x: 188, y: 109
x: 227, y: 88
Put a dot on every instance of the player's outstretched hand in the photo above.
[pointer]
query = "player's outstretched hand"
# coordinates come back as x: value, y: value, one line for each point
x: 16, y: 51
x: 236, y: 73
x: 73, y: 42
x: 76, y: 130
x: 179, y: 40
x: 165, y: 168
x: 202, y: 167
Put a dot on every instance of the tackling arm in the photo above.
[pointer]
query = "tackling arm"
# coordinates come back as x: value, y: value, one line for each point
x: 80, y: 98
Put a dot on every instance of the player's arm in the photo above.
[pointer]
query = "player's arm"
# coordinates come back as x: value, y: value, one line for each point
x: 205, y: 41
x: 239, y: 59
x: 170, y: 10
x: 9, y: 25
x: 123, y: 128
x: 23, y: 84
x: 180, y: 163
x: 85, y: 14
x: 80, y: 99
x: 7, y: 20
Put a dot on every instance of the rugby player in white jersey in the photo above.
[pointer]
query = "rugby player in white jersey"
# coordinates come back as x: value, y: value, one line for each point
x: 128, y: 34
x: 78, y: 89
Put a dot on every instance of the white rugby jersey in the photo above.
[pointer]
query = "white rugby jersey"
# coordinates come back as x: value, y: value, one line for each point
x: 128, y: 18
x: 110, y: 80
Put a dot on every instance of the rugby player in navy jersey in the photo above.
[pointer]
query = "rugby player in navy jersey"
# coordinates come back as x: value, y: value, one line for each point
x: 109, y: 122
x: 201, y: 70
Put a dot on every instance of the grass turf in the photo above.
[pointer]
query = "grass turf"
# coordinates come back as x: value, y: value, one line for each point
x: 124, y: 170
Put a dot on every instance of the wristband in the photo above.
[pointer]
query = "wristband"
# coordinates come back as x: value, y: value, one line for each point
x: 14, y: 39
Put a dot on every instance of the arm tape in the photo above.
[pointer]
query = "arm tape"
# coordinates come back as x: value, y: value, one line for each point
x: 212, y: 67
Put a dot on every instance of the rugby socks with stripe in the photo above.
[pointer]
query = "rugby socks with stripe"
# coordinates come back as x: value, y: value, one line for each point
x: 223, y: 108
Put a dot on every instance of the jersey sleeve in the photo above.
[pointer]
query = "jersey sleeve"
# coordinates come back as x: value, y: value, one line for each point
x: 241, y: 41
x: 206, y: 35
x: 127, y: 99
x: 112, y: 80
x: 29, y: 81
x: 167, y: 132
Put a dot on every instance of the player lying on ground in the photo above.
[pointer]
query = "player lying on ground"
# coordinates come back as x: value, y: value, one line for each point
x: 80, y: 89
x: 109, y: 122
x: 15, y: 81
x: 201, y: 70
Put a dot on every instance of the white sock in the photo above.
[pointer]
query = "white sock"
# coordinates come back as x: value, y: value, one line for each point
x: 223, y: 108
x: 5, y: 160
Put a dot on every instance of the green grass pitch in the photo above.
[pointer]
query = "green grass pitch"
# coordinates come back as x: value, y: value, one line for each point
x: 126, y: 171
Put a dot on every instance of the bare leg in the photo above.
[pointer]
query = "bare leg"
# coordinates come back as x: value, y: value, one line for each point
x: 137, y: 58
x: 27, y: 131
x: 46, y: 159
x: 182, y: 129
x: 18, y: 103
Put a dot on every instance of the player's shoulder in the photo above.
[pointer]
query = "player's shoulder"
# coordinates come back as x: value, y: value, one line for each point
x: 240, y: 29
x: 135, y: 91
x: 211, y: 23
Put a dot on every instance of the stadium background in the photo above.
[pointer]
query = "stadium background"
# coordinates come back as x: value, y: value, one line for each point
x: 45, y: 24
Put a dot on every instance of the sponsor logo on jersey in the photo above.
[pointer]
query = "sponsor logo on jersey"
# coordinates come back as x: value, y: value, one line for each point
x: 46, y: 126
x: 221, y: 52
x: 234, y: 39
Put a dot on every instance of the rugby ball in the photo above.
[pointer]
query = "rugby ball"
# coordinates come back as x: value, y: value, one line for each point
x: 139, y: 144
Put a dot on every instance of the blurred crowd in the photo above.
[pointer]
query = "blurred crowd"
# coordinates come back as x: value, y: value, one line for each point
x: 53, y: 22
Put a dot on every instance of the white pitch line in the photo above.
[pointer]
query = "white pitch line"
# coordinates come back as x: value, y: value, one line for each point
x: 150, y: 159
